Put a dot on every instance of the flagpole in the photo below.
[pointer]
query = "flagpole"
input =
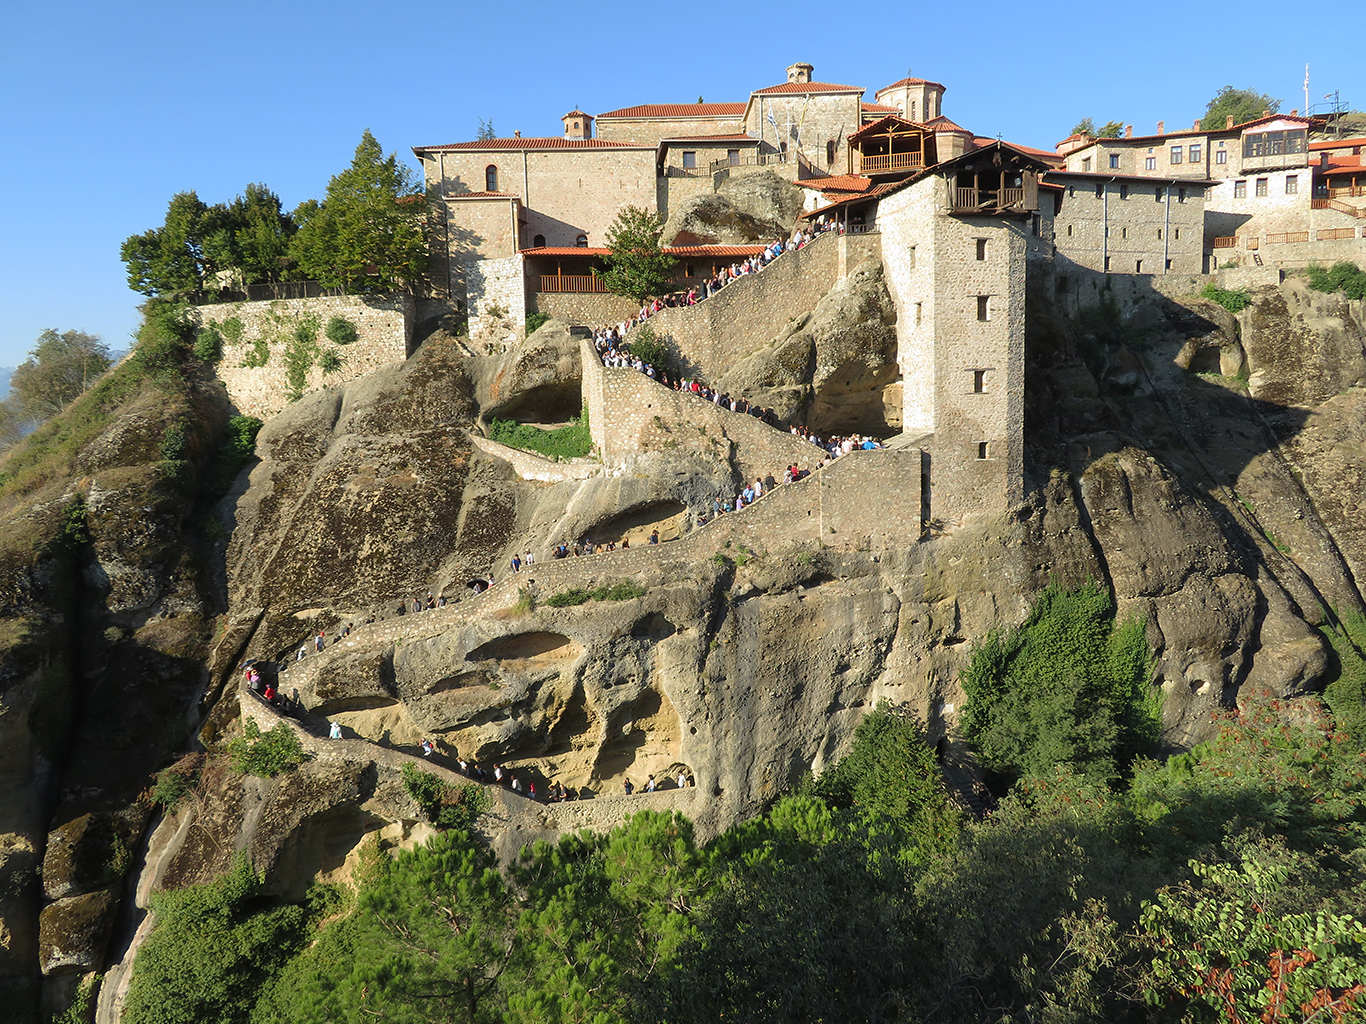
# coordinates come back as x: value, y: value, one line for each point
x: 1306, y: 90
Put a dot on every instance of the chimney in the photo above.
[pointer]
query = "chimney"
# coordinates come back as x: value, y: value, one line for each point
x: 1266, y: 112
x: 517, y: 135
x: 1128, y: 131
x: 1196, y: 125
x: 1161, y: 127
x: 1295, y: 112
x: 800, y: 73
x: 1228, y: 122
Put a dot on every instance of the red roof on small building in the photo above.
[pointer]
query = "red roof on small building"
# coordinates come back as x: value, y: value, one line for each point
x: 838, y: 183
x: 879, y: 108
x: 910, y: 81
x: 578, y: 113
x: 679, y: 110
x: 800, y: 87
x: 553, y: 142
x: 1359, y: 140
x: 943, y: 124
x: 1043, y: 154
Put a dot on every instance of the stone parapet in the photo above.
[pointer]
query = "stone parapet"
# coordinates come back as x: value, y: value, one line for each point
x: 264, y: 363
x: 533, y: 467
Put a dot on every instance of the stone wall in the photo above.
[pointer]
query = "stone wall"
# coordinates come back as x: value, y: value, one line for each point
x: 1131, y: 228
x: 495, y: 293
x: 530, y: 466
x: 266, y: 339
x: 629, y: 413
x: 585, y: 309
x: 650, y: 130
x: 713, y: 335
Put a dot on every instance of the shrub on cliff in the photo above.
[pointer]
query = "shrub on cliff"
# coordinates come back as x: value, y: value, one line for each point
x: 266, y: 754
x: 1344, y: 276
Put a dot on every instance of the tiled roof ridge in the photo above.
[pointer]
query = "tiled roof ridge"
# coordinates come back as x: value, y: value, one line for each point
x: 535, y: 142
x: 677, y: 110
x: 808, y: 87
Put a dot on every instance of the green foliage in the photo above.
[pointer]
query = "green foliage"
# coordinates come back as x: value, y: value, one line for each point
x: 1344, y: 276
x: 653, y: 350
x: 1346, y: 690
x: 300, y: 352
x: 367, y: 234
x: 1070, y: 686
x: 233, y: 453
x: 622, y: 590
x: 257, y: 356
x: 82, y: 1008
x: 75, y: 524
x: 1243, y: 104
x: 213, y: 946
x: 59, y: 368
x: 486, y: 131
x: 232, y: 329
x: 173, y: 442
x: 208, y: 344
x: 444, y: 805
x: 636, y: 265
x: 173, y: 785
x: 266, y: 754
x: 1110, y: 130
x: 330, y: 361
x: 341, y: 331
x: 1233, y: 301
x: 571, y: 442
x: 535, y: 321
x: 1086, y: 126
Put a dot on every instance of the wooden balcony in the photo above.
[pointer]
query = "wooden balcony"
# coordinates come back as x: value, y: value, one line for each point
x: 571, y: 283
x: 1286, y: 237
x: 1225, y: 242
x: 968, y: 199
x: 1347, y: 190
x: 891, y: 162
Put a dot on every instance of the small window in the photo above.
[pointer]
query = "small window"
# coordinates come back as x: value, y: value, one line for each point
x: 979, y: 382
x: 1169, y: 264
x: 1107, y: 264
x: 1181, y: 195
x: 1071, y: 191
x: 981, y: 449
x: 981, y: 248
x: 689, y: 158
x: 491, y: 178
x: 1292, y: 185
x: 910, y: 258
x: 1123, y: 232
x: 1138, y: 266
x: 1159, y: 233
x: 1240, y: 190
x: 1178, y: 234
x: 538, y: 242
x: 687, y: 270
x: 1036, y: 226
x: 1195, y: 154
x: 1150, y: 163
x: 830, y: 152
x: 1261, y: 187
x: 1124, y: 191
x: 984, y: 307
x: 1159, y: 193
x: 1100, y: 189
x: 1086, y: 164
x: 733, y: 155
x: 1176, y: 154
x: 1069, y: 231
x: 1221, y: 157
x: 1114, y: 160
x: 917, y: 313
x: 581, y: 242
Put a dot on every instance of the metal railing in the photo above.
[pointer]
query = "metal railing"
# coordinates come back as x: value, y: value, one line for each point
x: 980, y: 198
x: 750, y: 160
x: 892, y: 162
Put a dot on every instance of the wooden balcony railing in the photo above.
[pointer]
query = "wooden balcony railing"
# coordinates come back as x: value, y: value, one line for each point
x: 571, y: 283
x: 1319, y: 203
x: 1347, y: 190
x: 892, y: 162
x: 1279, y: 237
x: 1226, y: 242
x: 750, y: 160
x: 975, y: 198
x: 1325, y: 234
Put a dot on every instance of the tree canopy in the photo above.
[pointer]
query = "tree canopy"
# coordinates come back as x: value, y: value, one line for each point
x: 58, y: 369
x: 1087, y: 126
x: 637, y: 267
x: 367, y: 235
x: 1242, y: 104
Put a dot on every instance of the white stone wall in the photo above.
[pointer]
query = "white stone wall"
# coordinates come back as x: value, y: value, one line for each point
x: 384, y: 325
x: 1145, y: 231
x: 905, y: 224
x: 495, y: 293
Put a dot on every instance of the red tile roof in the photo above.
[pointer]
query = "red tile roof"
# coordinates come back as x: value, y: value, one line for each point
x: 879, y: 108
x: 876, y: 192
x: 873, y: 127
x: 909, y: 81
x: 578, y: 113
x: 800, y: 87
x: 1043, y: 154
x: 554, y: 142
x: 838, y: 183
x: 1236, y: 129
x: 482, y: 195
x: 682, y: 110
x: 943, y: 124
x: 1338, y: 143
x: 672, y: 250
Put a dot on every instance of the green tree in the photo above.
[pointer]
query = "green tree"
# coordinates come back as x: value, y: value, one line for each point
x: 1110, y: 130
x: 486, y: 131
x: 637, y: 267
x: 182, y: 257
x: 258, y: 235
x: 58, y: 369
x: 1086, y: 126
x: 1242, y: 104
x: 367, y: 234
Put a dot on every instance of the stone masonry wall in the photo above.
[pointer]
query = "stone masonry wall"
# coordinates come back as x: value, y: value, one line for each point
x: 747, y: 314
x: 1148, y: 224
x: 495, y: 291
x: 266, y: 340
x: 586, y: 309
x: 630, y: 413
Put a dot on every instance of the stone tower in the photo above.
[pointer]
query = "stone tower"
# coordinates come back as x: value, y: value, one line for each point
x: 916, y: 98
x: 800, y: 73
x: 578, y: 125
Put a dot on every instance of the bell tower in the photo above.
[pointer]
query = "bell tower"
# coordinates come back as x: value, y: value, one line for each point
x: 578, y: 125
x: 800, y: 73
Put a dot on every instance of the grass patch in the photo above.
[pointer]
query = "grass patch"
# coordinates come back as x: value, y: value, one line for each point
x: 1344, y: 276
x: 1235, y: 301
x: 535, y: 321
x: 622, y: 590
x: 1346, y: 693
x: 266, y: 755
x: 569, y: 442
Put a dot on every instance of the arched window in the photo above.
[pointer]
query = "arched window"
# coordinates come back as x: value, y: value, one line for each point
x: 491, y: 178
x: 538, y: 242
x: 581, y: 241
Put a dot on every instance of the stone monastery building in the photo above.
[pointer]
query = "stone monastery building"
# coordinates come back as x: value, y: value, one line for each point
x: 961, y: 223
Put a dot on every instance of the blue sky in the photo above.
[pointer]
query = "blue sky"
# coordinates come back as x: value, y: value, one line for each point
x: 111, y: 109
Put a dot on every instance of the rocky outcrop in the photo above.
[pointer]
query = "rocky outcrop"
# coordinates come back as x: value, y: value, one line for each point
x: 746, y: 208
